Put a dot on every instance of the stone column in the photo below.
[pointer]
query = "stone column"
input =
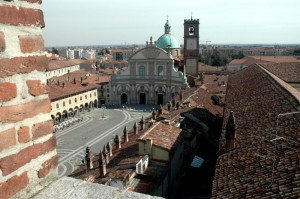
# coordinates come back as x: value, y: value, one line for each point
x: 125, y: 133
x: 142, y: 122
x: 102, y: 165
x: 89, y: 158
x: 135, y: 128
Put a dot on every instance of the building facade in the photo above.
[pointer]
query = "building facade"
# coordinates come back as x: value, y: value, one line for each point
x: 150, y: 78
x: 58, y: 68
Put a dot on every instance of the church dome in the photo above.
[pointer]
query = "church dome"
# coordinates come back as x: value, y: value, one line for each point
x: 167, y: 40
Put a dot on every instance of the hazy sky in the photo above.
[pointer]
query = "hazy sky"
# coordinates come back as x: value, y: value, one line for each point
x: 105, y: 22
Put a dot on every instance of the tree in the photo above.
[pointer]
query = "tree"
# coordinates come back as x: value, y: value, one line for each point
x: 54, y: 51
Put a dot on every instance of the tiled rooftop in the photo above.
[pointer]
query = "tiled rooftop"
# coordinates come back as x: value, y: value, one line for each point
x: 289, y: 72
x: 248, y: 171
x: 57, y: 64
x: 164, y: 136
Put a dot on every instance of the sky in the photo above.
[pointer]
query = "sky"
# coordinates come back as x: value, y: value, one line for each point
x: 120, y: 22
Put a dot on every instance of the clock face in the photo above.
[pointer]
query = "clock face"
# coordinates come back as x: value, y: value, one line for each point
x: 191, y: 44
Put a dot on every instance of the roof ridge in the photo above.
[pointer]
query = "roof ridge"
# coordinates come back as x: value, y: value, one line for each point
x: 292, y: 91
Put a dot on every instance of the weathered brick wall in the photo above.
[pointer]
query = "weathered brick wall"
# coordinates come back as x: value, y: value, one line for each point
x: 28, y: 158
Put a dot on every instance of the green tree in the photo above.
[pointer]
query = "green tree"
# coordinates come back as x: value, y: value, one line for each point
x: 54, y: 51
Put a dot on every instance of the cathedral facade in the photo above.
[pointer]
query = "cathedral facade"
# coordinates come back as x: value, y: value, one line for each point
x: 150, y: 78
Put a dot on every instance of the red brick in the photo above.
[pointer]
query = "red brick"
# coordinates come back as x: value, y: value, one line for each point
x: 24, y: 134
x: 2, y: 42
x: 13, y: 185
x: 42, y: 129
x: 48, y: 166
x: 8, y: 91
x: 15, y: 113
x: 23, y: 16
x: 33, y: 1
x: 31, y: 43
x: 36, y: 88
x: 9, y: 67
x: 13, y: 162
x: 8, y: 138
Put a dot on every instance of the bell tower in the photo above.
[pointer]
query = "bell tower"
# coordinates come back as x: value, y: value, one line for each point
x: 191, y: 45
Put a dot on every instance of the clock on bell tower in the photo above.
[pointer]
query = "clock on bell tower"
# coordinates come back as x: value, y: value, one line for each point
x: 191, y: 45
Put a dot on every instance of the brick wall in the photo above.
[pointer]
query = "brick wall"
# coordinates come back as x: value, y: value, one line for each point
x: 28, y: 158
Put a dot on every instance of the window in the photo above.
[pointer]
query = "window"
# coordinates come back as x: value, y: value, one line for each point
x: 80, y: 98
x: 75, y: 100
x: 64, y: 104
x: 85, y: 96
x: 95, y: 94
x: 57, y: 105
x: 160, y: 71
x: 70, y: 101
x: 142, y: 70
x: 107, y: 95
x: 90, y: 94
x: 107, y: 90
x: 191, y: 30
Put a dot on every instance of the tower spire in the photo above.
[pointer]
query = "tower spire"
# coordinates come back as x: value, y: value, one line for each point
x: 167, y: 26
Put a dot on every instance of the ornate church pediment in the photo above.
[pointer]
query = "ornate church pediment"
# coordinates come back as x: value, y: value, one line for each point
x: 151, y: 53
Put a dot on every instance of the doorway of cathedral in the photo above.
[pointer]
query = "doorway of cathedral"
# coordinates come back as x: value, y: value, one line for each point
x: 142, y: 98
x: 123, y: 98
x: 160, y: 99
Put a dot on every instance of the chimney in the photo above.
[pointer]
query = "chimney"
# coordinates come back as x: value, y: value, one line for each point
x: 173, y: 101
x: 160, y: 110
x: 181, y: 96
x: 148, y: 146
x: 125, y: 133
x: 230, y: 134
x: 102, y: 165
x: 169, y: 106
x: 63, y: 84
x: 109, y: 148
x: 118, y: 141
x: 89, y: 158
x: 142, y: 122
x: 74, y: 80
x: 177, y: 105
x: 135, y: 128
x: 81, y: 79
x: 58, y: 82
x: 154, y: 115
x: 105, y: 154
x: 68, y: 78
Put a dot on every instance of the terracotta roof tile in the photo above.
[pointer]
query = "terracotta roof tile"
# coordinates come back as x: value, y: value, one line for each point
x: 248, y: 171
x: 289, y: 72
x: 57, y: 64
x: 164, y: 136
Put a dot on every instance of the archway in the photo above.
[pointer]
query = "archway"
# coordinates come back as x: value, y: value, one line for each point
x: 76, y: 111
x: 160, y: 99
x: 86, y: 106
x: 124, y: 98
x: 81, y: 109
x: 96, y: 104
x: 64, y: 115
x: 142, y: 98
x: 58, y: 118
x: 53, y: 118
x: 71, y: 112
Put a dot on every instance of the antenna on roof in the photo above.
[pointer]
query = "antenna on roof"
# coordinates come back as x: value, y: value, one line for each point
x: 191, y: 16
